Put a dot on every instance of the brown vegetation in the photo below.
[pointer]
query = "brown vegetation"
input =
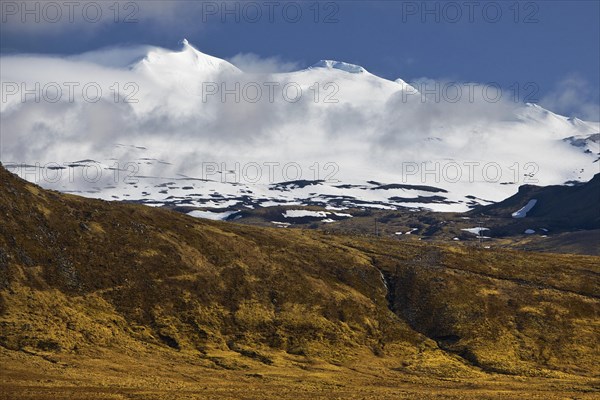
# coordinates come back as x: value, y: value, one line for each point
x: 105, y: 300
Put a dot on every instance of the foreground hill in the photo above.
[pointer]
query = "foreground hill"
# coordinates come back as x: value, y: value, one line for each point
x: 105, y: 300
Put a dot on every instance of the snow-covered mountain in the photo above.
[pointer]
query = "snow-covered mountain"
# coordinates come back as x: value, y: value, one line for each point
x: 191, y: 64
x: 182, y: 127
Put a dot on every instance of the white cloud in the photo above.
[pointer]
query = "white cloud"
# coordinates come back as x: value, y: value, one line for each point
x: 573, y: 96
x: 252, y: 63
x: 369, y: 129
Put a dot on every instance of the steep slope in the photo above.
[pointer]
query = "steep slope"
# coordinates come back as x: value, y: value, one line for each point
x: 84, y: 280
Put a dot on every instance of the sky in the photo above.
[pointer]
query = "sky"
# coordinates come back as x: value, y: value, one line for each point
x: 548, y: 50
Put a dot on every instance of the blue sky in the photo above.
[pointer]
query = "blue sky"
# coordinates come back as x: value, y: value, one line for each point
x: 553, y: 44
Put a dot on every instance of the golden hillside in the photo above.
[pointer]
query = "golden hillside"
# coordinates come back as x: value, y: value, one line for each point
x: 100, y: 300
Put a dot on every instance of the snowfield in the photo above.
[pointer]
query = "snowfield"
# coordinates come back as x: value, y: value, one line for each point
x: 186, y: 128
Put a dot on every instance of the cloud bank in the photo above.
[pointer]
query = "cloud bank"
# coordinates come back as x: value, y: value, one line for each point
x: 187, y: 108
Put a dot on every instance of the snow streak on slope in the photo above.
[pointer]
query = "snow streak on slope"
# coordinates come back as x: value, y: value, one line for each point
x: 522, y: 213
x: 345, y: 136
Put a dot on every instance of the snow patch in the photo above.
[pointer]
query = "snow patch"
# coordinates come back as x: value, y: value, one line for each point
x: 343, y: 215
x: 216, y: 216
x: 522, y: 213
x: 304, y: 213
x: 281, y: 224
x: 475, y: 231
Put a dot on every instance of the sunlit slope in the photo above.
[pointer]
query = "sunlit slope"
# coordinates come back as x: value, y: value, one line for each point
x: 83, y: 277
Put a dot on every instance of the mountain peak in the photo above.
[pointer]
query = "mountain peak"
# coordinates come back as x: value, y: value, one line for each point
x: 342, y: 66
x: 188, y: 59
x: 406, y: 87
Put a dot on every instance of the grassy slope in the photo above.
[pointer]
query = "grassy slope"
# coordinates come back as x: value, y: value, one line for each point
x: 90, y: 289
